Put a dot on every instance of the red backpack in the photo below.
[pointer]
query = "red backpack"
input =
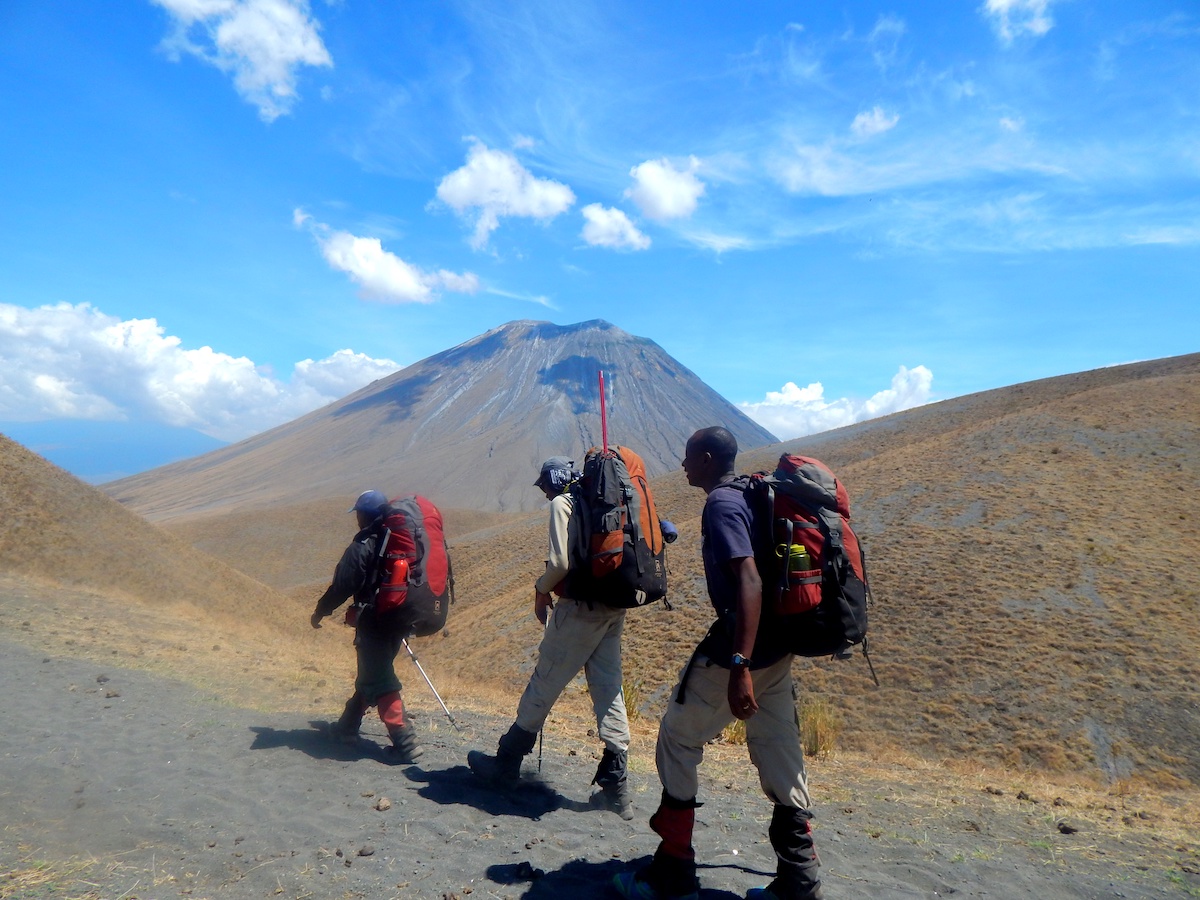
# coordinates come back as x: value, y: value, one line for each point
x: 413, y: 572
x: 813, y: 568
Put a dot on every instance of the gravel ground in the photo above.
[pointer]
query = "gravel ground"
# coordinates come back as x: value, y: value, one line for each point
x: 119, y: 783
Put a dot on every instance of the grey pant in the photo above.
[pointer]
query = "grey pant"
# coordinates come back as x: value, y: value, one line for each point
x: 772, y: 733
x: 580, y: 638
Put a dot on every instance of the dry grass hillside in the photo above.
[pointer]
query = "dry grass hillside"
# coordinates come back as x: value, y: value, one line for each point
x: 56, y: 529
x: 1033, y: 557
x: 1031, y: 550
x: 292, y: 545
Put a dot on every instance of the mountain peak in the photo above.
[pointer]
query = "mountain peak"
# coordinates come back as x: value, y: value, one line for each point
x: 467, y: 427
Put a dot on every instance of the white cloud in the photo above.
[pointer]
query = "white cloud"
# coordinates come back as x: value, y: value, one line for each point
x: 75, y: 362
x: 261, y: 43
x: 1178, y: 235
x: 719, y: 243
x: 492, y: 184
x: 340, y: 374
x: 383, y: 276
x: 1009, y: 123
x: 1013, y: 18
x: 611, y: 228
x: 794, y: 411
x: 848, y: 167
x: 811, y: 169
x: 873, y: 122
x: 884, y: 40
x: 663, y: 192
x: 539, y: 299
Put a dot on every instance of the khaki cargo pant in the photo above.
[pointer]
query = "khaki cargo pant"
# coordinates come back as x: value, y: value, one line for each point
x: 575, y: 638
x: 772, y: 733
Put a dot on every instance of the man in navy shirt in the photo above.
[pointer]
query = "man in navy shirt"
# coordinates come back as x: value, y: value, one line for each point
x: 734, y: 673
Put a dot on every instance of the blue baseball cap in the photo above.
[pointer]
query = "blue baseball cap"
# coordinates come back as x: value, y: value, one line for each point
x: 370, y: 502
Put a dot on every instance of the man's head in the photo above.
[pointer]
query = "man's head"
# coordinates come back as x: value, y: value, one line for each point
x: 369, y: 506
x: 556, y: 475
x: 709, y: 457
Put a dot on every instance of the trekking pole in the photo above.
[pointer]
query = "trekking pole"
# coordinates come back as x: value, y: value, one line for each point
x: 542, y: 730
x: 417, y: 663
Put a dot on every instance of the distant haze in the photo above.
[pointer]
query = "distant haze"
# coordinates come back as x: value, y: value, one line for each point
x: 96, y: 452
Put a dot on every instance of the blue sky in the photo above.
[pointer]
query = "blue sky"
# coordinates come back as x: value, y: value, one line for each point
x: 216, y: 215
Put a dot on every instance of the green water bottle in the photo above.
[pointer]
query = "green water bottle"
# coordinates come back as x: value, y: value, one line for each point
x: 798, y: 559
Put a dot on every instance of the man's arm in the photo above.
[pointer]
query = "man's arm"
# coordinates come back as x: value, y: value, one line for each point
x: 559, y: 558
x: 348, y: 577
x: 745, y: 629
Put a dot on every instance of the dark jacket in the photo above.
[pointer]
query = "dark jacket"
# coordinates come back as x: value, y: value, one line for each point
x: 353, y: 575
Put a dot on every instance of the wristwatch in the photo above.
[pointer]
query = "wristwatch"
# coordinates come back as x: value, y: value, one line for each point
x: 738, y: 660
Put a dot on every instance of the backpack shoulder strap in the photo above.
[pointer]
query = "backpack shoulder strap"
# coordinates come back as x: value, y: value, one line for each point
x: 580, y: 527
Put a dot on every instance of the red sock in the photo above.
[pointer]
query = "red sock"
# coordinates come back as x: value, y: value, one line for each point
x: 391, y: 710
x: 674, y: 826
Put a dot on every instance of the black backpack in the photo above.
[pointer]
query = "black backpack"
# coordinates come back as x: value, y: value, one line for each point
x: 619, y: 557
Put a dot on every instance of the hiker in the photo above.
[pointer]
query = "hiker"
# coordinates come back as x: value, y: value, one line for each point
x: 577, y: 635
x: 378, y: 637
x: 736, y: 672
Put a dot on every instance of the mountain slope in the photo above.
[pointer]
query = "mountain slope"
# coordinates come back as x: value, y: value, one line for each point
x: 56, y: 530
x: 1032, y: 553
x: 466, y: 427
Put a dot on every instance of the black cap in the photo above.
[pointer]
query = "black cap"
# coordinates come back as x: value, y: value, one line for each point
x: 557, y: 472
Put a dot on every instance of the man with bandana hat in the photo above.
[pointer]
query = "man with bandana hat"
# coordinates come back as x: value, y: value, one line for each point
x: 378, y: 637
x: 576, y: 635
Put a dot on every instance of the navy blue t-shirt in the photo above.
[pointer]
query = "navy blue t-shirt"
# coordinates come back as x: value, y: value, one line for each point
x: 725, y: 536
x: 726, y: 527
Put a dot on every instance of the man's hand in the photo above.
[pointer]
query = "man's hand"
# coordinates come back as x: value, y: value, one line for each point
x: 315, y: 620
x: 741, y: 693
x: 542, y: 604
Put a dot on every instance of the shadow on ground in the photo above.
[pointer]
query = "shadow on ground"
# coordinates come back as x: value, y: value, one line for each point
x: 585, y: 880
x: 458, y: 785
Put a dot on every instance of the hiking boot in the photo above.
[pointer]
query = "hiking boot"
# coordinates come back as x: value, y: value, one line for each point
x: 404, y: 749
x: 346, y: 728
x: 614, y: 785
x: 769, y: 893
x: 666, y: 878
x: 797, y: 876
x: 615, y: 797
x: 632, y: 886
x: 499, y: 771
x: 504, y: 769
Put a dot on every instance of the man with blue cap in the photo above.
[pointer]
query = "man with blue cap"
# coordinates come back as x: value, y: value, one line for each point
x: 377, y: 637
